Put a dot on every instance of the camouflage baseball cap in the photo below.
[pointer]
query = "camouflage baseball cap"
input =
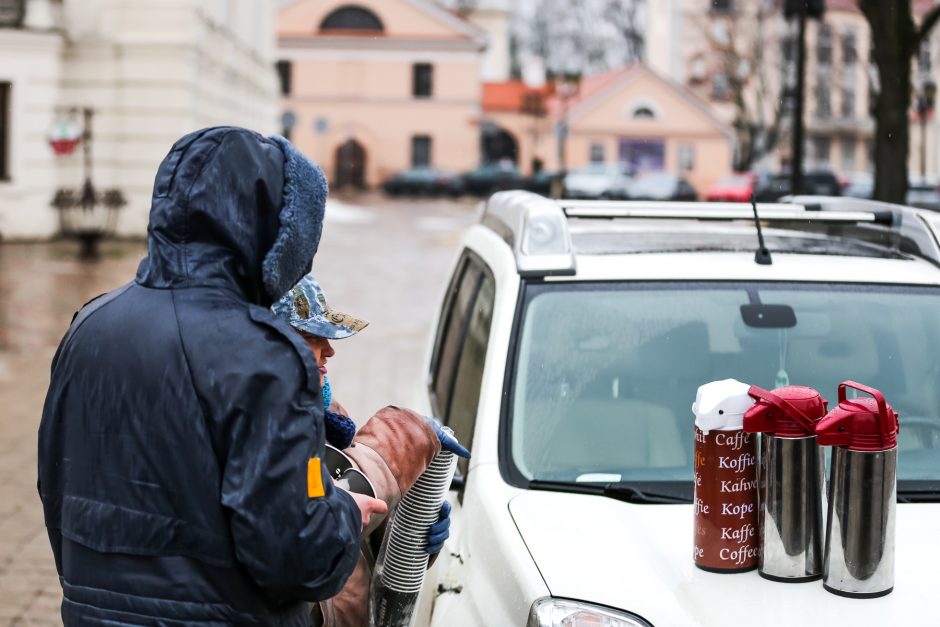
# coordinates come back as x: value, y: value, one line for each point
x: 305, y: 308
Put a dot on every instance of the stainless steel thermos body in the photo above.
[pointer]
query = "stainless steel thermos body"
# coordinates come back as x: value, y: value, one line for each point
x: 791, y: 481
x: 859, y: 559
x: 863, y: 434
x: 792, y: 508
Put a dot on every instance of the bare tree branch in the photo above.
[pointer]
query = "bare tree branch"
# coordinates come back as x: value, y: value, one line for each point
x: 926, y: 25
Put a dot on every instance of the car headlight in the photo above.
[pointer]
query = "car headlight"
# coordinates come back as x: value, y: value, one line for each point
x: 550, y: 612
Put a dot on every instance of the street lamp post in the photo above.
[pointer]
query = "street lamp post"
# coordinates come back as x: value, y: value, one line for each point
x: 566, y: 86
x: 924, y: 104
x: 86, y: 214
x: 801, y: 10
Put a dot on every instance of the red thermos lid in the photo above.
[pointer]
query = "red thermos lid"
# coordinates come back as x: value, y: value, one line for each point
x: 860, y: 424
x: 787, y: 412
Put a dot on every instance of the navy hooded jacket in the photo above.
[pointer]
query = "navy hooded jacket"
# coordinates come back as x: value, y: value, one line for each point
x: 181, y: 416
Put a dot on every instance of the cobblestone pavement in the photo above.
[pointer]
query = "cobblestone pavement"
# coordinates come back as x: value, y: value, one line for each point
x: 382, y: 260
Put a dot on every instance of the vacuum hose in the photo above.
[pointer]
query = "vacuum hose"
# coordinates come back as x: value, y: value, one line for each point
x: 402, y: 560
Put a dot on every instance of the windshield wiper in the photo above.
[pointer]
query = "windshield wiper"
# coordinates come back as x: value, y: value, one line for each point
x: 621, y: 491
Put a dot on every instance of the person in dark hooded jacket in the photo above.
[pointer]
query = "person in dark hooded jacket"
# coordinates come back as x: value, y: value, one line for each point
x: 181, y: 438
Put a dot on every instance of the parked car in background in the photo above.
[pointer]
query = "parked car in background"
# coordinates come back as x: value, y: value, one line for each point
x: 424, y: 181
x: 597, y: 180
x: 659, y: 186
x: 815, y: 183
x: 492, y: 177
x: 736, y: 187
x: 566, y: 355
x: 541, y: 182
x: 923, y: 193
x: 859, y: 185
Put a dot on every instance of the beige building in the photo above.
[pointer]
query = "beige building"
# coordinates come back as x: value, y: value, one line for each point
x: 149, y: 71
x: 631, y: 115
x: 372, y: 88
x: 692, y: 36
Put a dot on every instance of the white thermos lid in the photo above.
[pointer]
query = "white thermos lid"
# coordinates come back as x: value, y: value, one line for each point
x: 720, y: 405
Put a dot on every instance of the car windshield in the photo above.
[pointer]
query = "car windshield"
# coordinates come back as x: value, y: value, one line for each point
x: 605, y: 374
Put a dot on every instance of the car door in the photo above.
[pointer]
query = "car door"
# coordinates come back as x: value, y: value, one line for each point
x: 456, y: 373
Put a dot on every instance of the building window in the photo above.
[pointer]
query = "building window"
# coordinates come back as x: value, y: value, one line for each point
x: 848, y: 103
x: 848, y: 154
x: 12, y: 13
x: 422, y: 75
x: 788, y: 48
x: 823, y: 104
x: 824, y: 45
x: 686, y: 157
x: 284, y: 71
x: 698, y: 70
x: 820, y: 147
x: 722, y: 6
x: 720, y: 86
x: 849, y: 51
x: 420, y: 151
x: 597, y: 153
x: 352, y: 18
x: 5, y: 116
x: 643, y: 113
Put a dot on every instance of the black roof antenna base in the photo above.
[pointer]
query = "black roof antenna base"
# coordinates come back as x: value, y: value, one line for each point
x: 762, y: 256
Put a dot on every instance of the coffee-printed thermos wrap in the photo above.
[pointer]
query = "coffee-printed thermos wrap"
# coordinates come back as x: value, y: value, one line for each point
x: 726, y: 538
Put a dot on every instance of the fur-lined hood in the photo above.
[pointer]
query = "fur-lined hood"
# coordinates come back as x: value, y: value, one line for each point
x: 236, y: 209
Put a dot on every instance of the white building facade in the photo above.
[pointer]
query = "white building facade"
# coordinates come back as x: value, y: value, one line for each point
x: 149, y: 71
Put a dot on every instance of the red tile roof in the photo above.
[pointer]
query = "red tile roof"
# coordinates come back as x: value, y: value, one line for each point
x: 509, y: 95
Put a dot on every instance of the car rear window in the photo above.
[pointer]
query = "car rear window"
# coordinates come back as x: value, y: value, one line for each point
x: 604, y: 375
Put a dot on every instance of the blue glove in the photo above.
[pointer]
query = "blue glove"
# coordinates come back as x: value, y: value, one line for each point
x: 439, y: 531
x: 448, y: 442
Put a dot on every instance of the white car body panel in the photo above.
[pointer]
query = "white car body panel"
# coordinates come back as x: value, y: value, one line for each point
x: 509, y: 546
x: 485, y: 559
x: 639, y: 558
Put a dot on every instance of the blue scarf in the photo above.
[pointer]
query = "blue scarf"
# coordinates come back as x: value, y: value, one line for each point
x: 340, y: 429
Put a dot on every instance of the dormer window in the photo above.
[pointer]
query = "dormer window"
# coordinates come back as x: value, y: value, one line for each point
x: 351, y: 18
x: 12, y: 13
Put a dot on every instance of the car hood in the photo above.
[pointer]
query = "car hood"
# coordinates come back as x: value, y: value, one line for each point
x: 639, y: 558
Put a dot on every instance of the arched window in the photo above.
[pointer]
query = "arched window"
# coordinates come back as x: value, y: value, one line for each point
x: 643, y: 109
x: 352, y: 18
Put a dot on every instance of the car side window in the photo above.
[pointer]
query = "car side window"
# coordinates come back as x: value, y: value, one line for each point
x: 460, y: 349
x: 454, y: 318
x: 462, y: 412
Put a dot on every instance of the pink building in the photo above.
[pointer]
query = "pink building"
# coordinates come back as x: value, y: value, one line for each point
x: 378, y: 86
x: 630, y: 115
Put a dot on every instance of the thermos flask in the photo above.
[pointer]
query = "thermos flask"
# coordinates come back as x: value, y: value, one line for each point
x: 725, y: 467
x: 859, y: 557
x: 791, y: 492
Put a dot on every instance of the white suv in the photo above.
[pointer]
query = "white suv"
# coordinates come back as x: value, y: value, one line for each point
x: 568, y: 350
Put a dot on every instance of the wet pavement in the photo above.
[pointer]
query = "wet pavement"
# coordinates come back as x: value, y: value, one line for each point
x: 382, y: 260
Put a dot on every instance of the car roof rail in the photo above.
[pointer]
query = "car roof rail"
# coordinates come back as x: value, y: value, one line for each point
x: 536, y: 228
